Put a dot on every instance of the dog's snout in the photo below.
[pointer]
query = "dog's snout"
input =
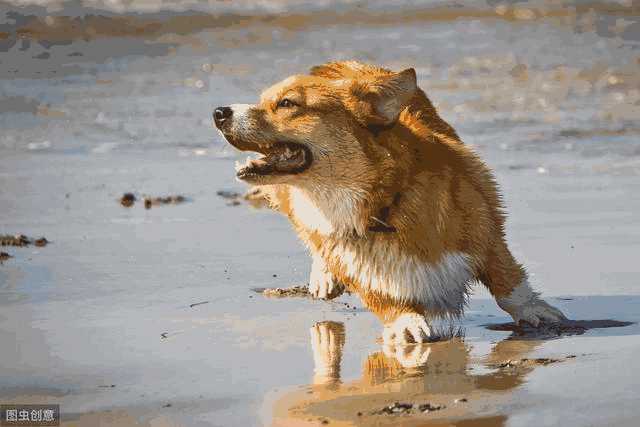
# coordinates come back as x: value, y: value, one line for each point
x: 221, y: 114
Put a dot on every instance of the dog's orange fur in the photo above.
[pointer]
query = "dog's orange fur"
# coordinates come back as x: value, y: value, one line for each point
x: 388, y: 175
x: 429, y: 174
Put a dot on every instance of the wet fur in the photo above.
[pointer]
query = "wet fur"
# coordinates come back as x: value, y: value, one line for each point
x: 399, y: 209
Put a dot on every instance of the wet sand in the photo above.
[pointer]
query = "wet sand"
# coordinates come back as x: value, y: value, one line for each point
x: 106, y: 319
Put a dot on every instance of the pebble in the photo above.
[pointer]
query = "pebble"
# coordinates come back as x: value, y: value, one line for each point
x: 127, y: 200
x: 428, y: 407
x: 41, y: 242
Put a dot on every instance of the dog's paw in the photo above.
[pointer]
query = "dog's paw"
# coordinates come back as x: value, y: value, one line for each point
x: 409, y: 356
x: 537, y: 313
x: 408, y: 328
x: 322, y: 285
x: 524, y: 305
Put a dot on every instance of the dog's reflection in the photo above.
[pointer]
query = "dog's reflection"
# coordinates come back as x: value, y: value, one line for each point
x: 442, y: 373
x: 327, y: 342
x: 429, y: 362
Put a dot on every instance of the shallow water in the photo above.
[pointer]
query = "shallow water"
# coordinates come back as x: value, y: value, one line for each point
x: 551, y: 103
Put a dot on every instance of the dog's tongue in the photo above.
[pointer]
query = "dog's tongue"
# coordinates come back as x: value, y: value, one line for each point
x: 281, y: 159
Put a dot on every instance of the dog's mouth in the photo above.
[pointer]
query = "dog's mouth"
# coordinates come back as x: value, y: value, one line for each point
x: 282, y: 158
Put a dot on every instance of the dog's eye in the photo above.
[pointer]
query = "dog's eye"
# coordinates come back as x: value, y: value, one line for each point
x: 286, y: 103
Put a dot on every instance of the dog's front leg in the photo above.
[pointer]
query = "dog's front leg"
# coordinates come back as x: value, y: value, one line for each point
x: 525, y: 305
x: 322, y: 284
x: 407, y: 328
x: 404, y: 322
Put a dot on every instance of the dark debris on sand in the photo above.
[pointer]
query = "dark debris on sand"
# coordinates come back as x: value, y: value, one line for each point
x: 4, y: 256
x: 21, y: 240
x: 149, y: 202
x: 253, y: 197
x: 16, y: 240
x: 399, y: 408
x: 129, y: 199
x: 41, y: 242
x: 395, y: 408
x: 294, y: 291
x: 233, y: 198
x: 428, y: 407
x: 226, y: 194
x: 526, y: 363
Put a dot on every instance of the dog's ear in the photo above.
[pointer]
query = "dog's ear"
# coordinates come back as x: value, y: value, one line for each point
x: 380, y: 100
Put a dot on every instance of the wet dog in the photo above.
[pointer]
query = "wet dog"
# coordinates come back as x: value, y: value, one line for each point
x: 388, y: 200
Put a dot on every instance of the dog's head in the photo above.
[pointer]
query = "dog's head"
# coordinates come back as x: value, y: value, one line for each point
x: 319, y: 125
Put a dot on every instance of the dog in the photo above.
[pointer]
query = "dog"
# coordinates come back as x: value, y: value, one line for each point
x: 388, y: 200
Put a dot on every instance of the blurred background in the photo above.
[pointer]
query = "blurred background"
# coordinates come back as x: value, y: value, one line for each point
x: 548, y: 76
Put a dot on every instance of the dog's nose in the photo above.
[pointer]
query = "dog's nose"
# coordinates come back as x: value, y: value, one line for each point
x: 221, y: 114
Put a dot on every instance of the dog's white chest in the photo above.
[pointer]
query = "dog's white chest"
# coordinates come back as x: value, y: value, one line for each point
x: 308, y: 214
x: 441, y: 287
x: 328, y: 211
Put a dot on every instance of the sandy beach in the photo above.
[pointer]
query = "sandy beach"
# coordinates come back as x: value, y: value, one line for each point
x: 149, y: 317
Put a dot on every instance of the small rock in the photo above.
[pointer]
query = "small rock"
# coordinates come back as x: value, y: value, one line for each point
x: 395, y: 408
x: 428, y: 407
x: 225, y: 194
x: 508, y: 364
x: 41, y: 242
x: 168, y: 405
x: 461, y: 400
x: 164, y: 335
x: 4, y: 256
x: 127, y: 200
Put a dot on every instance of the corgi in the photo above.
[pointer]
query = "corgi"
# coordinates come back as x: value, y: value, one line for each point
x: 389, y: 202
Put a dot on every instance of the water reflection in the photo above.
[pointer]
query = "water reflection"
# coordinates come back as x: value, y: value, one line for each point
x: 443, y: 374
